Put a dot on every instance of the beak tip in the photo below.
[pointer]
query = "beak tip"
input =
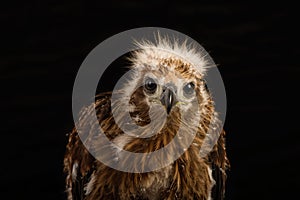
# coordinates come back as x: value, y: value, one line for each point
x: 168, y: 109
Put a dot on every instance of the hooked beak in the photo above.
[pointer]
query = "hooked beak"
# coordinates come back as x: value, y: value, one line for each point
x: 168, y: 99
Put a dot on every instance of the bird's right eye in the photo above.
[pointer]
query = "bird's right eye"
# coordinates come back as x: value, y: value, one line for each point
x: 150, y: 86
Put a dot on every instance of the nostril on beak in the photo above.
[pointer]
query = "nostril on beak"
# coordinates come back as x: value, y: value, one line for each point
x: 171, y: 87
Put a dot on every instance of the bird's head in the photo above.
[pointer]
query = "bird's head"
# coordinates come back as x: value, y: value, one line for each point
x: 167, y: 78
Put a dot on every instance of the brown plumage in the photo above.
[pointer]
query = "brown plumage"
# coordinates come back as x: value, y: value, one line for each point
x: 191, y: 176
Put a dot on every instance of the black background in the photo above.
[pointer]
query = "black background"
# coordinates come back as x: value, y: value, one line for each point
x: 255, y: 45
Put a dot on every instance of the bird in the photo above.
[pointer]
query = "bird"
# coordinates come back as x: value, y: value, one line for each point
x: 165, y: 94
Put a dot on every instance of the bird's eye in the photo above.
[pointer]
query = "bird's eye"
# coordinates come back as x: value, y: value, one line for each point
x: 150, y: 86
x: 188, y: 89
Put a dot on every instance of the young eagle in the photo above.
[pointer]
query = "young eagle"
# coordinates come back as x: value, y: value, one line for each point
x: 167, y: 90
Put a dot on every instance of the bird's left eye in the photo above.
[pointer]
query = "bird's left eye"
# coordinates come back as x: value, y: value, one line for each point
x: 189, y: 89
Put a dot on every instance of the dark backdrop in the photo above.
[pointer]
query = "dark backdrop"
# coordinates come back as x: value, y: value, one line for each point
x: 255, y: 45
